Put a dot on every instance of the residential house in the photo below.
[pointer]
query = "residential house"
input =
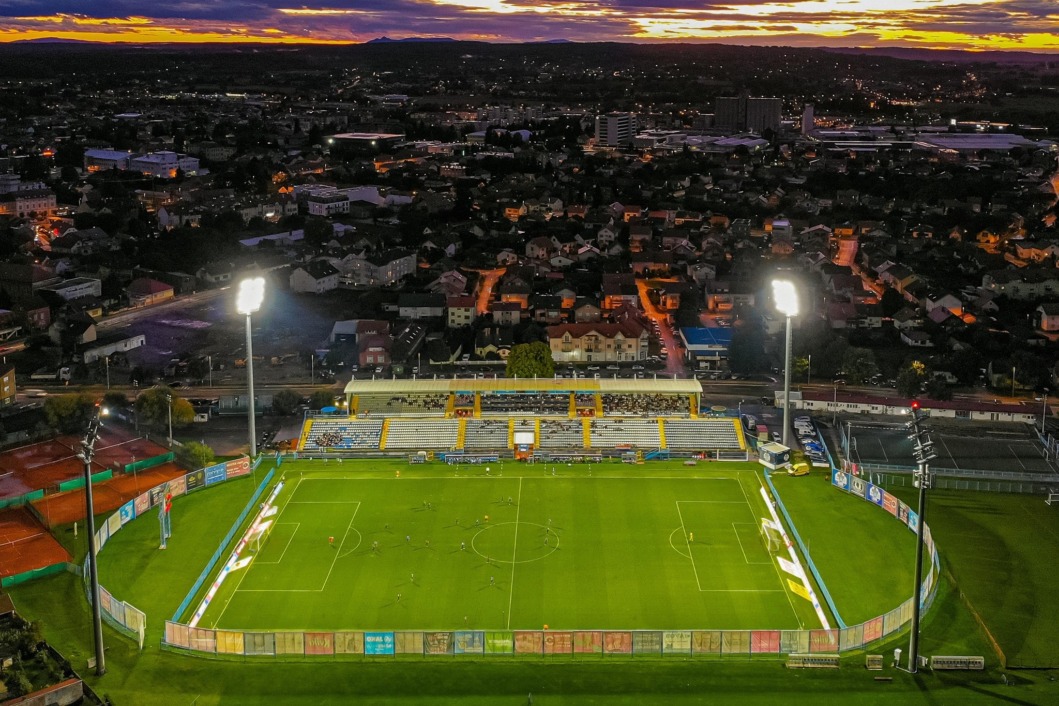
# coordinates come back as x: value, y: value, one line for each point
x: 916, y: 339
x: 147, y: 292
x: 586, y: 311
x: 314, y: 277
x: 416, y: 306
x: 598, y: 342
x: 493, y: 342
x: 462, y: 311
x: 547, y: 309
x: 507, y: 313
x: 374, y: 349
x: 1046, y: 317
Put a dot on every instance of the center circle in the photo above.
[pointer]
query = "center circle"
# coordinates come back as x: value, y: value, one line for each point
x: 515, y: 542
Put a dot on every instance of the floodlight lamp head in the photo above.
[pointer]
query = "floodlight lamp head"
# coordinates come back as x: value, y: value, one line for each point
x: 251, y: 293
x: 785, y: 296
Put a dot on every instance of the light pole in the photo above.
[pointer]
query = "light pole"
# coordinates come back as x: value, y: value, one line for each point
x: 1044, y: 411
x: 251, y: 293
x: 169, y: 408
x: 106, y: 362
x: 786, y: 300
x: 809, y: 369
x: 923, y: 450
x: 88, y: 448
x: 209, y: 362
x: 1012, y: 380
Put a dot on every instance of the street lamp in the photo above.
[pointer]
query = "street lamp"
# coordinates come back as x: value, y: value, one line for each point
x: 809, y: 369
x: 1044, y: 411
x: 251, y: 292
x: 923, y: 450
x: 786, y: 300
x: 88, y: 448
x: 209, y: 362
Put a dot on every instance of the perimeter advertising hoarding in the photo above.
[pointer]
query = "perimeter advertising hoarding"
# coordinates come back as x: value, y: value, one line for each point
x: 195, y: 480
x: 378, y: 643
x: 499, y: 643
x: 178, y: 486
x: 127, y: 512
x: 840, y: 479
x: 889, y: 503
x: 216, y: 473
x: 143, y: 503
x: 319, y: 643
x: 470, y: 642
x: 237, y: 467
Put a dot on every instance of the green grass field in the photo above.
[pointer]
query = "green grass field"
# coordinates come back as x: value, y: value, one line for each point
x: 849, y: 539
x: 447, y: 549
x: 1001, y: 549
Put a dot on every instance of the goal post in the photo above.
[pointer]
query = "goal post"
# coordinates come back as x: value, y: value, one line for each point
x: 771, y: 535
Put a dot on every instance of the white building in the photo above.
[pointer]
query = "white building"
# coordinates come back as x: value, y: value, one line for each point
x: 614, y: 129
x: 164, y: 165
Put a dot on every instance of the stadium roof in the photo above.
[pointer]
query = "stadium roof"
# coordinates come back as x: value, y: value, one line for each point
x: 667, y: 386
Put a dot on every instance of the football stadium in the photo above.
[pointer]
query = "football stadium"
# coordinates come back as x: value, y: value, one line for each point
x: 513, y: 517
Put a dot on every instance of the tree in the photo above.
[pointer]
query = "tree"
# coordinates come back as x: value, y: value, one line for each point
x: 529, y: 360
x: 285, y: 402
x: 891, y: 302
x: 69, y: 414
x: 859, y: 364
x: 196, y: 455
x: 910, y: 379
x: 937, y: 389
x: 153, y: 406
x: 318, y: 230
x: 321, y: 399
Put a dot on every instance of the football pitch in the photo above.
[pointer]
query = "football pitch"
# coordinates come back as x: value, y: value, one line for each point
x: 458, y: 548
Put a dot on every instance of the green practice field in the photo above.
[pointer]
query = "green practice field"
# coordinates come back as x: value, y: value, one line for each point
x: 456, y: 548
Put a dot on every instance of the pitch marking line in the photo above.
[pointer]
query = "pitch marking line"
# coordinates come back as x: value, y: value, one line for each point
x: 297, y: 526
x: 735, y: 528
x: 514, y: 549
x: 246, y: 570
x: 340, y: 545
x: 688, y: 544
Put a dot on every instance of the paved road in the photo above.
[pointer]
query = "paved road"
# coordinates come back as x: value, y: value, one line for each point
x: 675, y: 361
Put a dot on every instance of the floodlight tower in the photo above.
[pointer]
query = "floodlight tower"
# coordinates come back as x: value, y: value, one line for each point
x: 251, y: 294
x: 88, y: 449
x: 923, y: 450
x: 786, y: 300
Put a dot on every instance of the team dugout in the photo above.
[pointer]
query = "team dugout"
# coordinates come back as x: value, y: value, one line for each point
x: 558, y: 397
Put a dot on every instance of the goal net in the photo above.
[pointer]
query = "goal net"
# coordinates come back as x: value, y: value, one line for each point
x: 771, y: 535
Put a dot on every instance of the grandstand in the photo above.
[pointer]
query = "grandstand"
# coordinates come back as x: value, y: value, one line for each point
x: 521, y: 417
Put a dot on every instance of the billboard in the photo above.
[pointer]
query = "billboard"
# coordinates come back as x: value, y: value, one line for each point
x: 237, y: 467
x: 127, y: 512
x: 378, y: 643
x: 195, y: 480
x: 216, y: 473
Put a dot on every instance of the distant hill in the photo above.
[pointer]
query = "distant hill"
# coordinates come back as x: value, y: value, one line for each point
x: 950, y: 55
x: 408, y: 40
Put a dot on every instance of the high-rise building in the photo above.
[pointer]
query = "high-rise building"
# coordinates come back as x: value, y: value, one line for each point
x: 763, y: 114
x: 729, y: 112
x: 614, y: 129
x: 745, y: 113
x: 808, y: 119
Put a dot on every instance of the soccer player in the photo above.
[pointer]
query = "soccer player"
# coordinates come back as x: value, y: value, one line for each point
x: 331, y: 541
x: 413, y: 578
x: 407, y: 538
x: 492, y: 581
x: 398, y: 598
x: 691, y: 536
x: 463, y: 546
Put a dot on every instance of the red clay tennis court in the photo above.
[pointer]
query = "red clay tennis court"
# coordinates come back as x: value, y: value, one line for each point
x: 108, y: 496
x: 25, y: 544
x: 44, y: 465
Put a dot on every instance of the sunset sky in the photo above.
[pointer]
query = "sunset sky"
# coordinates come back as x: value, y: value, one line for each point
x: 1031, y: 25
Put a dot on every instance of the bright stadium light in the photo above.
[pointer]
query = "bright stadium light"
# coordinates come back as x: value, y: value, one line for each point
x: 786, y: 298
x: 251, y: 294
